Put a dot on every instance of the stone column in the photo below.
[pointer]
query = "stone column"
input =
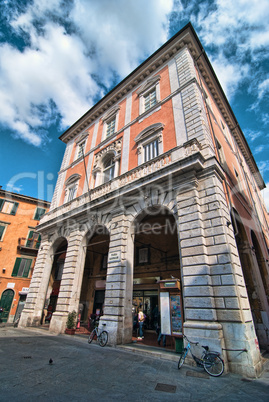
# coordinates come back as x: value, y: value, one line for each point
x: 69, y: 293
x: 119, y: 281
x: 33, y: 309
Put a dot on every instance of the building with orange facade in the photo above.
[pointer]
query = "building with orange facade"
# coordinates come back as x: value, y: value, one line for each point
x: 19, y: 244
x: 158, y: 207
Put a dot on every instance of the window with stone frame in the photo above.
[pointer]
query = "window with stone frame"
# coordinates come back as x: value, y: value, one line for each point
x: 109, y: 169
x: 110, y: 122
x: 71, y: 187
x: 81, y: 148
x: 151, y: 150
x: 110, y: 127
x: 149, y: 94
x: 8, y: 207
x: 149, y: 143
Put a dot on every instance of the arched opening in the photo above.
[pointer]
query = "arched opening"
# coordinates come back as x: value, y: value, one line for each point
x: 6, y: 303
x: 92, y: 294
x: 55, y: 278
x: 254, y: 279
x: 261, y: 263
x: 156, y: 263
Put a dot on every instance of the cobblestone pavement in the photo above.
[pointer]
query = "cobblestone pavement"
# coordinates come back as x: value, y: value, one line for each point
x: 83, y: 372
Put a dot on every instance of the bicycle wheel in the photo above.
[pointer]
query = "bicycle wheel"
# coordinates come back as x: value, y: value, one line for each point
x: 213, y: 364
x: 182, y: 358
x: 91, y: 336
x: 103, y: 338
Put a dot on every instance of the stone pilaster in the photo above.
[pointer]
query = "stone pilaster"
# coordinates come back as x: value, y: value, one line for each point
x: 193, y: 107
x: 32, y: 312
x: 69, y: 293
x: 118, y: 296
x: 216, y: 306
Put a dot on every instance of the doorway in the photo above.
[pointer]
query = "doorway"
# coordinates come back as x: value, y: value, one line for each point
x: 5, y: 303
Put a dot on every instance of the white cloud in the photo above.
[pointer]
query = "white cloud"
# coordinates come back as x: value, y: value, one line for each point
x: 68, y: 68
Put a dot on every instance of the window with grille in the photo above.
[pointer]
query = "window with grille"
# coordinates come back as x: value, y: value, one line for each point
x: 71, y: 193
x: 110, y: 128
x: 150, y: 99
x: 151, y: 150
x: 81, y: 148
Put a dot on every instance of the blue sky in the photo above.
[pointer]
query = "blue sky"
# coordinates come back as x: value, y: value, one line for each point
x: 58, y: 57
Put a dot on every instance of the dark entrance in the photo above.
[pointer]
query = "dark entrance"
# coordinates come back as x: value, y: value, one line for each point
x: 156, y: 257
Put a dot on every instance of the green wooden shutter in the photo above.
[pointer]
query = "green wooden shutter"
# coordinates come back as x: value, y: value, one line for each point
x: 14, y: 209
x: 1, y: 203
x: 39, y: 213
x: 38, y: 242
x: 30, y: 238
x: 2, y: 228
x: 27, y: 268
x: 16, y: 267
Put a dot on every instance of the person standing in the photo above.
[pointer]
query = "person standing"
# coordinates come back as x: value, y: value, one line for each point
x: 141, y: 319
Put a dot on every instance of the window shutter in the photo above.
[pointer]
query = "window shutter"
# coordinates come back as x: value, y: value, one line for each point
x: 30, y: 239
x: 39, y: 213
x: 27, y: 268
x: 2, y: 228
x: 38, y: 241
x: 1, y: 203
x: 14, y: 209
x: 16, y: 267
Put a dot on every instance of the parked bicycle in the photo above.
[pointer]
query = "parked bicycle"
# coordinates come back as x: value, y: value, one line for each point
x: 101, y: 335
x: 210, y: 361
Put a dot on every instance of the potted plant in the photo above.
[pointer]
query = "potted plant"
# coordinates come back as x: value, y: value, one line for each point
x: 71, y: 323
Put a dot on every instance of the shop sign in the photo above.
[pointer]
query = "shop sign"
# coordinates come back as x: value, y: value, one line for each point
x: 114, y: 256
x: 11, y: 285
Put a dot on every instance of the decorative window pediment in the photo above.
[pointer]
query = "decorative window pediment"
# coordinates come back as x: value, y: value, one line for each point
x: 72, y: 179
x: 150, y: 83
x: 82, y: 137
x: 149, y: 131
x: 111, y: 113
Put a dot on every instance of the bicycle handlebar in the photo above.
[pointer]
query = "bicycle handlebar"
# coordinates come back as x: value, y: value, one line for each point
x: 194, y: 343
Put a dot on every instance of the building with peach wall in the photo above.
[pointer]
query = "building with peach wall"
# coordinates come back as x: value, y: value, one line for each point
x: 19, y: 244
x: 158, y: 206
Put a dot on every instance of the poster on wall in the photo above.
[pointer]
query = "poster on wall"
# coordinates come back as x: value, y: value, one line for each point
x: 176, y: 315
x: 165, y: 313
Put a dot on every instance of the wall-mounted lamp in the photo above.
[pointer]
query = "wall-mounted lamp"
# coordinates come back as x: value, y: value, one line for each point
x: 4, y: 270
